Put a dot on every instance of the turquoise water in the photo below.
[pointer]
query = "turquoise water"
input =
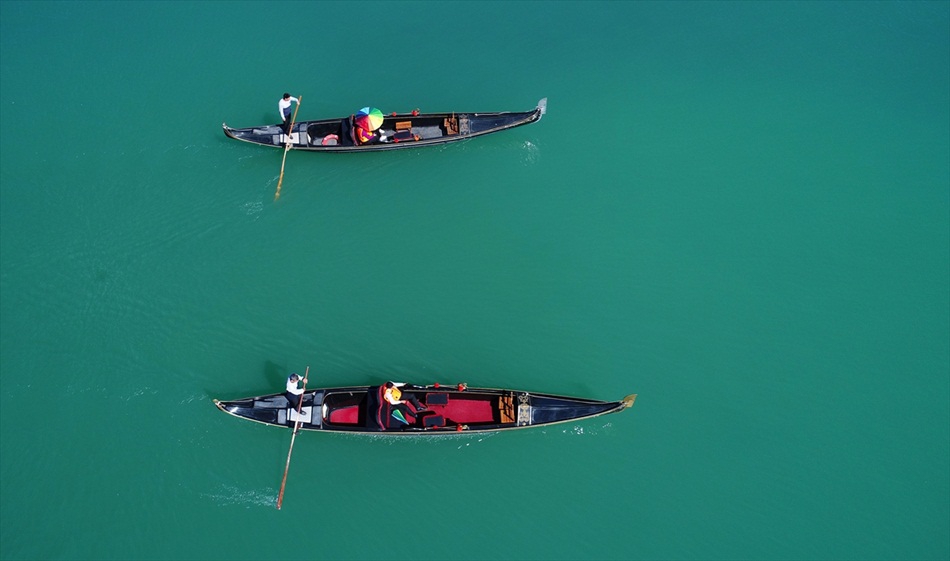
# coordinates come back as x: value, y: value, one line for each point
x: 739, y: 211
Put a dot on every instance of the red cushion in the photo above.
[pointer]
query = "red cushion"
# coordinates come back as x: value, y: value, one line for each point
x: 345, y: 416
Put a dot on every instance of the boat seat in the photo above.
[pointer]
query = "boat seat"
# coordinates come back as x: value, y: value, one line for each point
x: 403, y: 125
x: 433, y: 421
x: 437, y: 399
x: 507, y: 409
x: 347, y: 135
x: 304, y: 416
x: 345, y: 415
x: 451, y: 126
x: 404, y: 136
x: 427, y: 132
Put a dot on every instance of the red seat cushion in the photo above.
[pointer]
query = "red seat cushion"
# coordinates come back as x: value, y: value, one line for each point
x: 345, y: 416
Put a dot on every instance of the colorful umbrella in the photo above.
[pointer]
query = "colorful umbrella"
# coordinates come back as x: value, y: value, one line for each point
x: 369, y: 118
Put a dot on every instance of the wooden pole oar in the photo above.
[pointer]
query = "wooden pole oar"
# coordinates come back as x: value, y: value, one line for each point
x: 283, y: 484
x: 287, y: 148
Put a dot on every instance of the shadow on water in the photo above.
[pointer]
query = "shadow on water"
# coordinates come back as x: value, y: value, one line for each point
x: 276, y: 375
x: 275, y: 378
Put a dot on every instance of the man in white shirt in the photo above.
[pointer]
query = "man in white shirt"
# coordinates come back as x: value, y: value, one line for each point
x: 284, y: 107
x: 293, y: 393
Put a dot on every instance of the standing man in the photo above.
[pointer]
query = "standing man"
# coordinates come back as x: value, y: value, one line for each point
x: 293, y: 393
x: 284, y: 107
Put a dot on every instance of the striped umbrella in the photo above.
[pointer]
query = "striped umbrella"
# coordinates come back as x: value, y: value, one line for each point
x: 369, y: 118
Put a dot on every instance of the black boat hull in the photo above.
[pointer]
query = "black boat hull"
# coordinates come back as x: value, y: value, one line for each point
x: 400, y: 130
x: 360, y: 409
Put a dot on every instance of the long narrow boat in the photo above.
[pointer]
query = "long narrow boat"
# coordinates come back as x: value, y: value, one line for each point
x: 404, y: 130
x: 447, y: 410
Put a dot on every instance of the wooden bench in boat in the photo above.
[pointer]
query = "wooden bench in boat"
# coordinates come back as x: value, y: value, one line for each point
x: 506, y: 407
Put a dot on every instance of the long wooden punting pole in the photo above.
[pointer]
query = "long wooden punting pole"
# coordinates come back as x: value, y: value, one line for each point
x: 283, y: 484
x: 287, y: 148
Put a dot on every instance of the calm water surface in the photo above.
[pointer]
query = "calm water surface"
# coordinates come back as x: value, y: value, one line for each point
x: 740, y: 211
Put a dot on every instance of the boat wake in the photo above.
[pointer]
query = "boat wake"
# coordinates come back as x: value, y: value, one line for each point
x: 480, y: 439
x: 579, y: 430
x: 466, y: 439
x: 531, y: 153
x: 230, y: 496
x: 253, y: 208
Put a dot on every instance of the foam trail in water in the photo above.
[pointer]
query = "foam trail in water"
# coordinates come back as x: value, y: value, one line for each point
x: 230, y: 495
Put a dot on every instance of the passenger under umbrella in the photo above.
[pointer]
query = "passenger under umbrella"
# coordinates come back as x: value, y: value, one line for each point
x: 366, y: 122
x: 364, y: 136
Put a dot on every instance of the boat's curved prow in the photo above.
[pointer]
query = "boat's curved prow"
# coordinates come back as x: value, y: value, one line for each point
x: 543, y: 106
x: 628, y: 401
x: 220, y: 405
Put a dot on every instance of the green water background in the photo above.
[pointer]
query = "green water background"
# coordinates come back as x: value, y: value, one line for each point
x: 739, y: 211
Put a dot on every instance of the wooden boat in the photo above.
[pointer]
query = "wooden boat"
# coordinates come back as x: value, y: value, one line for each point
x: 447, y: 410
x: 397, y: 131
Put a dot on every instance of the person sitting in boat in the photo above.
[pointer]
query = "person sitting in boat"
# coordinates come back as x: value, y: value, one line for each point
x: 398, y: 399
x: 364, y: 136
x: 293, y: 393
